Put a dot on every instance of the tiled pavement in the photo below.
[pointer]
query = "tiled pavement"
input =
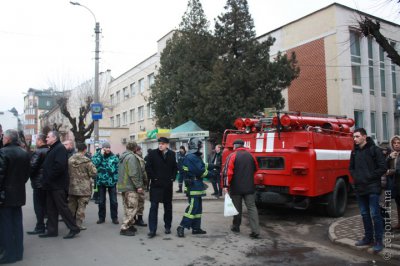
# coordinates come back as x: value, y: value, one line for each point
x: 346, y: 231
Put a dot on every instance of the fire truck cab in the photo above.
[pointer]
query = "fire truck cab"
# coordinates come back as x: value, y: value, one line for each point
x: 302, y: 158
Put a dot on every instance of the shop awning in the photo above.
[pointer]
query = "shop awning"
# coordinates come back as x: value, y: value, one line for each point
x: 189, y: 130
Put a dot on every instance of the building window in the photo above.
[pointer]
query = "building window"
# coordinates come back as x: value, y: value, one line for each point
x: 382, y: 71
x: 30, y: 111
x: 385, y: 127
x: 125, y: 93
x: 112, y: 121
x: 117, y: 97
x: 373, y: 125
x: 118, y: 121
x: 140, y: 113
x: 48, y: 103
x: 112, y: 99
x: 132, y: 116
x: 132, y: 137
x: 393, y: 68
x: 358, y: 118
x: 150, y: 79
x: 141, y: 85
x: 371, y: 66
x: 124, y: 118
x: 397, y: 125
x: 133, y: 89
x: 150, y: 111
x: 355, y: 61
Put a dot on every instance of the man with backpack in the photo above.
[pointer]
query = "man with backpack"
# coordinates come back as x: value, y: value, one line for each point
x: 367, y: 165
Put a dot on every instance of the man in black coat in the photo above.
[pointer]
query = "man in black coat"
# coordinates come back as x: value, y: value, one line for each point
x: 56, y: 184
x: 215, y: 159
x: 14, y: 172
x: 161, y: 170
x: 367, y: 165
x: 36, y: 175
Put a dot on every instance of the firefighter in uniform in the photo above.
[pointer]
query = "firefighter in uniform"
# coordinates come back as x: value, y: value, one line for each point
x: 194, y: 170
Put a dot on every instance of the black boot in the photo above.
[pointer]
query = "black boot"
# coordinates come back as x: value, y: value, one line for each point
x: 180, y: 189
x: 198, y: 231
x: 180, y: 231
x: 139, y: 221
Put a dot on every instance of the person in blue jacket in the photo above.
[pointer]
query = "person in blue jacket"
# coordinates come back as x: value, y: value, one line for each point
x: 194, y: 170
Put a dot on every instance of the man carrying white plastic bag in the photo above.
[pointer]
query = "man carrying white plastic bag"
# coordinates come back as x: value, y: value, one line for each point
x: 229, y: 208
x: 238, y: 178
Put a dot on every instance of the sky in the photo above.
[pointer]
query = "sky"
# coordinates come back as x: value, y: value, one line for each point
x: 46, y: 42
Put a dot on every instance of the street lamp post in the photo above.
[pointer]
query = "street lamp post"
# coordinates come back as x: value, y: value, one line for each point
x: 96, y: 70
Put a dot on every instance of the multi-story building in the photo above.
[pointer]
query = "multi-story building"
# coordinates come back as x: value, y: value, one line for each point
x: 129, y: 97
x: 36, y: 102
x: 342, y: 72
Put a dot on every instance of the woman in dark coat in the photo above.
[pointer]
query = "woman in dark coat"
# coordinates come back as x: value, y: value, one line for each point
x: 161, y: 170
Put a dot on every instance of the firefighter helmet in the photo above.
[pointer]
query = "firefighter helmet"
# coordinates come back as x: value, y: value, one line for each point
x: 194, y: 145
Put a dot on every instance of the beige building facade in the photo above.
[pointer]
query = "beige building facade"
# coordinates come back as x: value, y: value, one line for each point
x: 342, y: 72
x: 129, y: 98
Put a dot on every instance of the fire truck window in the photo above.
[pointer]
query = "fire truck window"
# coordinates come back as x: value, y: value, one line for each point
x: 271, y: 163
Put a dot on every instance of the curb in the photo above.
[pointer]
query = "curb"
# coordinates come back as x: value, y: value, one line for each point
x: 391, y: 251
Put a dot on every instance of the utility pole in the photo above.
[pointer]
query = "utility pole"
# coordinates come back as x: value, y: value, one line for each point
x: 96, y: 81
x: 96, y: 106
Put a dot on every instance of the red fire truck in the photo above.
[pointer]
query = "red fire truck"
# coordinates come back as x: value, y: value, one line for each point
x: 303, y: 158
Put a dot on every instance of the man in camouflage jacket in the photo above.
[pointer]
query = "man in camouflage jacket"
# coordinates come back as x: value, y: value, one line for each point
x: 139, y: 214
x: 81, y: 172
x: 130, y: 184
x: 107, y: 177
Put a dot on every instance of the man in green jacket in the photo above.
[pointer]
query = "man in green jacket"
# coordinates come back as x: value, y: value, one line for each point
x: 130, y: 184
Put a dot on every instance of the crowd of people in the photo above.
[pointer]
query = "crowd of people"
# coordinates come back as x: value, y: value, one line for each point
x: 62, y: 178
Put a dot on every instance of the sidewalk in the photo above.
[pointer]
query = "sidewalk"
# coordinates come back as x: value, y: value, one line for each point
x: 346, y: 231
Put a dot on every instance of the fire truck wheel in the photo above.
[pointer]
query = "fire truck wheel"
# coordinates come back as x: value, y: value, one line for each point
x: 337, y: 200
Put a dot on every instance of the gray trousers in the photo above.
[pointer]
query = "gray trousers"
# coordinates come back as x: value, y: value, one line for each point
x: 249, y: 200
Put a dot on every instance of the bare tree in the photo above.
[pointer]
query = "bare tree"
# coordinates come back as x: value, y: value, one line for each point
x: 74, y: 104
x: 372, y: 28
x: 79, y: 128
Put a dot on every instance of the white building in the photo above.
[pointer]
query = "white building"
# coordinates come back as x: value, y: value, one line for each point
x: 8, y: 120
x: 341, y: 72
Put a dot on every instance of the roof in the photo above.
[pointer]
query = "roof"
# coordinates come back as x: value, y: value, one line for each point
x: 189, y: 126
x: 326, y: 7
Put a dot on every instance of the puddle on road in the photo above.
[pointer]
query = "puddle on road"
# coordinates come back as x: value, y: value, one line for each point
x: 297, y: 253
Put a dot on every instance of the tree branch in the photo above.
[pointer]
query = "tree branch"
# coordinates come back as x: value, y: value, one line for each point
x: 370, y: 28
x: 62, y: 102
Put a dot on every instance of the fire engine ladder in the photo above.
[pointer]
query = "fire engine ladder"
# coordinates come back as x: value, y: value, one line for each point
x: 312, y: 114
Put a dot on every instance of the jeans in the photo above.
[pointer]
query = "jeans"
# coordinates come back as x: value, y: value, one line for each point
x: 153, y: 215
x: 11, y: 234
x: 216, y: 183
x: 370, y: 211
x: 39, y: 205
x: 112, y: 194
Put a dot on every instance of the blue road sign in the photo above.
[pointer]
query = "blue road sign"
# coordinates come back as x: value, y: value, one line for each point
x: 97, y: 111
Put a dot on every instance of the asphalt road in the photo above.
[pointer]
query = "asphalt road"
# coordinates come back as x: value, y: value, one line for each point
x: 289, y: 237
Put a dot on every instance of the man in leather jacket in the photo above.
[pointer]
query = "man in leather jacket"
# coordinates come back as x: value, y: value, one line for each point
x: 14, y: 172
x: 36, y: 175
